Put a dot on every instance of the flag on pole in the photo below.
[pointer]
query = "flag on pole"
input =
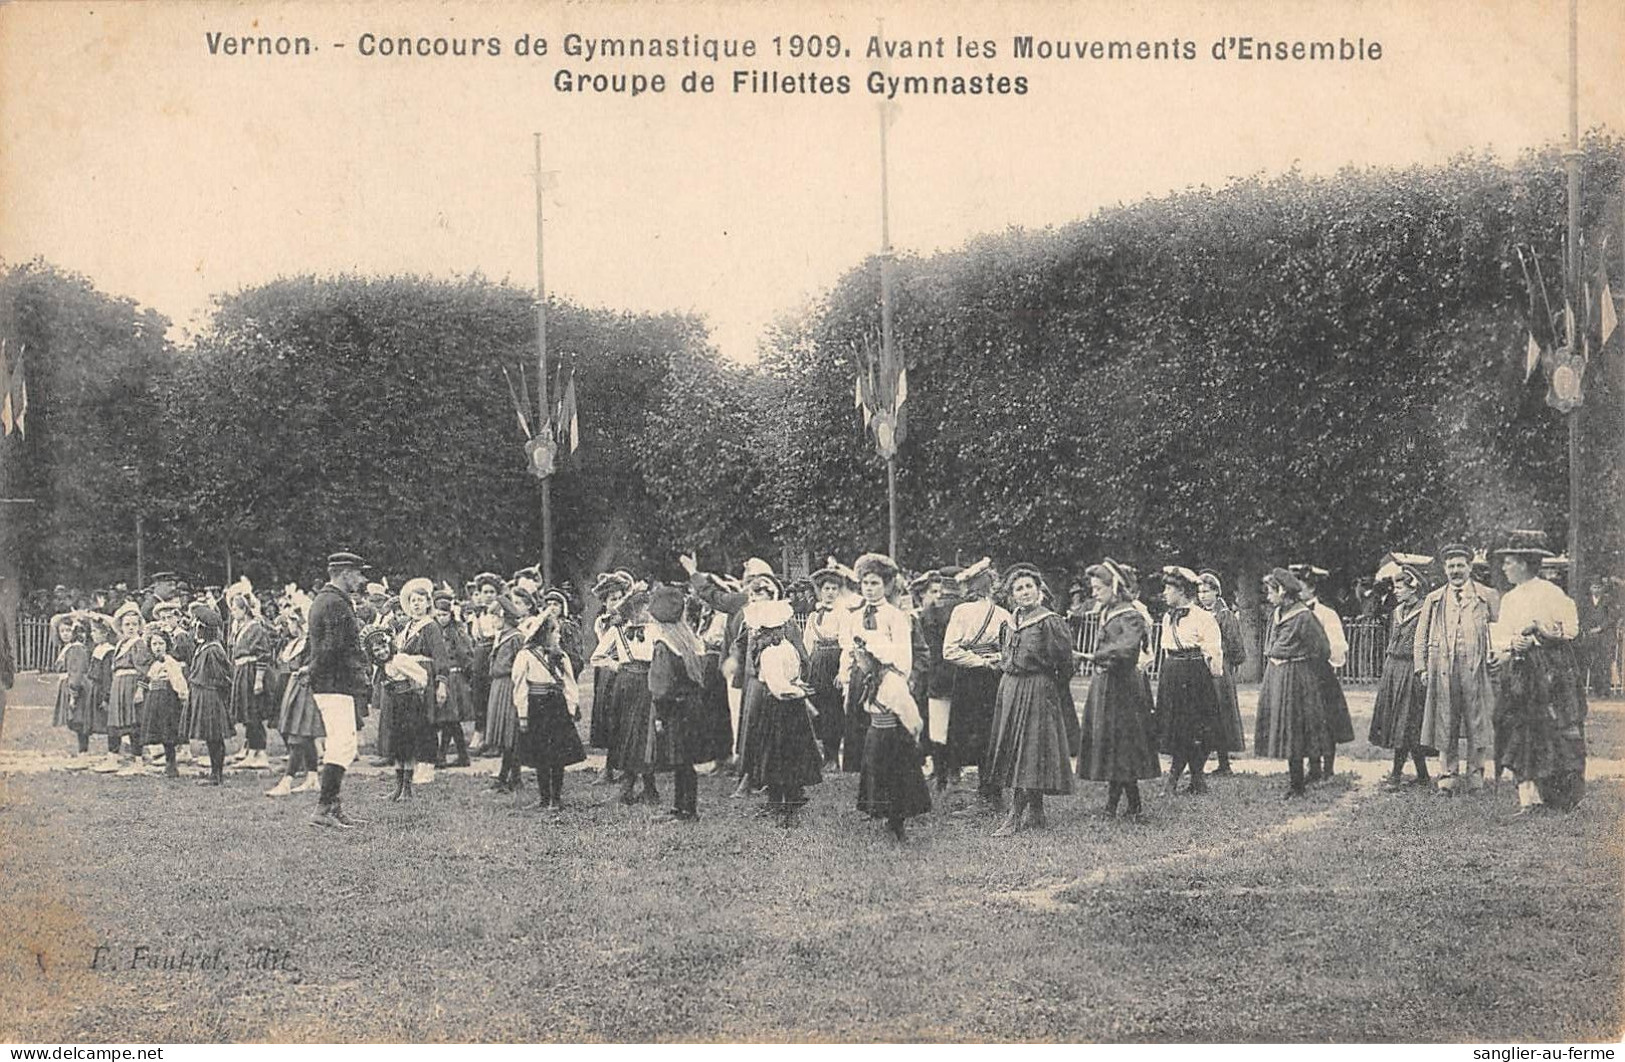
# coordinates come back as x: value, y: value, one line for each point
x: 1531, y: 358
x: 881, y: 390
x: 5, y: 388
x: 14, y: 406
x: 518, y: 402
x: 567, y: 423
x: 1607, y: 316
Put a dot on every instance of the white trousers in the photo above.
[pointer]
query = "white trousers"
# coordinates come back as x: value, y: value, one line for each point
x: 338, y: 719
x: 939, y: 707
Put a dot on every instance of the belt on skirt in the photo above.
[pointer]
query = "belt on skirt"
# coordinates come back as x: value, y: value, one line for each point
x: 1288, y: 659
x: 245, y: 660
x: 1182, y: 654
x: 125, y: 671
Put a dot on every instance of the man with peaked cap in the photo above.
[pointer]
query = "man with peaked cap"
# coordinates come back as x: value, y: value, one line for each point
x: 971, y: 644
x: 1452, y: 659
x: 931, y: 625
x: 335, y: 674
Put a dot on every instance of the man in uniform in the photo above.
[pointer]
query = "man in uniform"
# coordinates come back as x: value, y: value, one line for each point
x: 335, y: 666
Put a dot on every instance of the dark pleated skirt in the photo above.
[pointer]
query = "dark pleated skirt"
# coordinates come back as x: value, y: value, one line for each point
x: 1291, y: 724
x: 830, y: 726
x: 1187, y: 705
x: 161, y: 718
x: 246, y: 705
x: 1336, y: 706
x: 457, y: 708
x: 69, y: 714
x: 97, y: 723
x: 1119, y: 743
x: 633, y: 713
x: 601, y: 734
x: 1396, y: 714
x: 854, y: 727
x: 411, y: 734
x: 501, y: 717
x: 893, y: 784
x: 715, y: 719
x: 1540, y: 722
x: 551, y: 739
x: 206, y: 715
x: 782, y: 751
x: 123, y: 715
x: 1235, y: 734
x: 1028, y: 749
x: 299, y: 717
x: 970, y: 719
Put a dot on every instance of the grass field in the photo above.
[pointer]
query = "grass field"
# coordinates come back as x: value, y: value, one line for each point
x: 1352, y: 915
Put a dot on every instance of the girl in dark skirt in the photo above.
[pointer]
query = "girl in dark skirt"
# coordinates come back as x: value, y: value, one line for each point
x: 1291, y: 724
x: 1541, y: 711
x: 1119, y: 732
x: 131, y: 659
x: 161, y: 692
x: 544, y: 695
x: 823, y: 645
x: 74, y: 690
x: 207, y: 713
x: 1333, y: 703
x: 252, y: 645
x: 677, y: 676
x: 971, y: 643
x: 399, y: 684
x: 610, y: 590
x: 1187, y: 702
x: 1396, y: 715
x: 458, y: 707
x: 878, y: 654
x: 716, y: 717
x: 783, y: 755
x: 501, y: 712
x: 1234, y: 737
x: 298, y: 719
x: 627, y: 651
x: 103, y: 639
x: 421, y: 639
x: 1028, y: 748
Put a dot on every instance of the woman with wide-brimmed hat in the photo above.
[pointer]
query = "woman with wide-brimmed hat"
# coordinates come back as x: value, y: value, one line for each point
x: 1028, y: 747
x: 131, y: 659
x: 1291, y: 723
x: 1119, y: 739
x: 1541, y: 712
x: 1396, y: 712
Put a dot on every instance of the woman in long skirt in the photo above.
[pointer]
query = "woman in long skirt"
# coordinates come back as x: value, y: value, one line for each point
x: 1119, y: 731
x: 976, y: 629
x: 823, y: 645
x: 544, y: 696
x: 74, y: 690
x: 1291, y: 723
x: 1335, y: 705
x: 877, y: 656
x: 783, y: 754
x: 627, y: 651
x: 421, y: 639
x: 715, y: 717
x: 1187, y: 701
x: 458, y: 707
x: 131, y: 659
x: 162, y: 690
x: 206, y: 716
x: 1028, y: 748
x: 610, y: 590
x: 677, y: 677
x: 252, y: 645
x: 400, y: 682
x: 298, y: 720
x: 1541, y: 710
x: 501, y: 711
x: 1396, y: 715
x: 1234, y: 738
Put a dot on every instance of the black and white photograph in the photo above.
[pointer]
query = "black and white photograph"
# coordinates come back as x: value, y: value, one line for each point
x: 626, y: 522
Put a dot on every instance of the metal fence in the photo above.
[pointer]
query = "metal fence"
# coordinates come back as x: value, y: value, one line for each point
x: 1368, y: 640
x: 34, y: 644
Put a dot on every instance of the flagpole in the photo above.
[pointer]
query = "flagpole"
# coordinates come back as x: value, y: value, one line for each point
x: 544, y: 422
x: 1571, y: 163
x: 886, y: 325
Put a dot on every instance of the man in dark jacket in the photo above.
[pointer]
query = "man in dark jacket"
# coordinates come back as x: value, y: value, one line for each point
x: 1599, y: 621
x: 335, y: 666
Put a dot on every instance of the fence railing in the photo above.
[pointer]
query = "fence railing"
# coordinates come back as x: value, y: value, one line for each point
x: 1367, y: 640
x: 33, y: 644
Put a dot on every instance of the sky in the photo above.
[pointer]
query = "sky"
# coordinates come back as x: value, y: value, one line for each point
x: 167, y: 174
